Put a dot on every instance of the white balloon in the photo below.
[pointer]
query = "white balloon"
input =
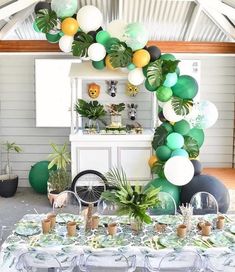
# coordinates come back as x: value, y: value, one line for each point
x: 161, y: 104
x: 170, y: 114
x: 179, y: 170
x: 65, y: 43
x: 89, y: 18
x: 96, y: 52
x: 116, y: 29
x: 136, y: 76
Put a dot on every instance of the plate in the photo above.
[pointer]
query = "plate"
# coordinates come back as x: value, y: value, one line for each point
x: 27, y: 229
x: 232, y: 229
x: 50, y: 240
x: 66, y: 217
x: 168, y: 219
x: 222, y: 239
x: 172, y: 241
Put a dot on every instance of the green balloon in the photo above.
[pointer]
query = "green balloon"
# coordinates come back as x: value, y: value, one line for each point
x: 136, y: 36
x: 99, y: 65
x: 144, y: 69
x: 167, y: 57
x: 167, y: 187
x: 164, y: 93
x: 177, y: 71
x: 102, y: 37
x: 174, y: 140
x: 38, y: 176
x: 163, y: 153
x: 182, y: 127
x: 64, y: 8
x: 186, y: 87
x: 171, y: 79
x: 198, y: 135
x: 53, y: 38
x: 167, y: 126
x: 131, y: 66
x: 35, y: 27
x: 111, y: 42
x: 149, y: 87
x: 179, y: 152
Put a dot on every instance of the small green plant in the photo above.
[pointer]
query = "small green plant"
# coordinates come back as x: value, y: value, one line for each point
x: 60, y: 157
x: 115, y: 109
x: 10, y: 147
x: 91, y: 110
x: 59, y: 180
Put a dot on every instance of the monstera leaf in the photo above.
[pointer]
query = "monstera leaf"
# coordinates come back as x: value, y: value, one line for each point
x: 81, y: 43
x: 159, y: 137
x: 154, y: 73
x: 120, y: 55
x: 191, y: 146
x: 169, y: 66
x: 46, y: 20
x: 158, y: 168
x: 181, y: 106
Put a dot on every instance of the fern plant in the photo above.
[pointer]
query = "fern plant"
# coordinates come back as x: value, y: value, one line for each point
x: 131, y: 201
x: 91, y: 110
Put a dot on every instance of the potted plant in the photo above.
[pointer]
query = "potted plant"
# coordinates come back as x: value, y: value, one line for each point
x: 132, y: 201
x: 115, y: 113
x: 9, y: 181
x: 59, y: 179
x: 92, y: 110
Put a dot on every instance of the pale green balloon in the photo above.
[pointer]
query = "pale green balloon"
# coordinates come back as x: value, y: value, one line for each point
x: 64, y: 8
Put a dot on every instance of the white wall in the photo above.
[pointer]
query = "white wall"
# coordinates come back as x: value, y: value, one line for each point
x: 17, y: 111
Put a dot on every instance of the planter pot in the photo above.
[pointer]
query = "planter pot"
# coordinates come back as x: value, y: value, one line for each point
x: 53, y: 196
x: 8, y: 185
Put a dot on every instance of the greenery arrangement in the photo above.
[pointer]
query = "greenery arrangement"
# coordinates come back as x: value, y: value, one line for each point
x: 131, y: 201
x: 10, y: 147
x: 59, y: 181
x: 115, y: 109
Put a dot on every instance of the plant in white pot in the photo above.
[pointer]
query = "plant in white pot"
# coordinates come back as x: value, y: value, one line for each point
x: 59, y: 179
x: 115, y: 111
x: 9, y: 181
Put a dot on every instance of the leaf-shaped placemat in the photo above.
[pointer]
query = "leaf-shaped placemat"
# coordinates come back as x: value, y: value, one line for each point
x: 181, y: 106
x: 120, y: 55
x: 46, y: 20
x: 154, y: 73
x: 81, y: 43
x: 159, y: 137
x: 191, y: 146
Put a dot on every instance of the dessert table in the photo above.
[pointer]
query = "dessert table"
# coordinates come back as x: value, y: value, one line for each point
x: 27, y: 236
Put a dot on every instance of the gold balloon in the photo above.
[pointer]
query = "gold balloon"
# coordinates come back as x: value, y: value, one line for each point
x: 108, y: 63
x: 152, y: 160
x: 69, y: 26
x: 141, y: 58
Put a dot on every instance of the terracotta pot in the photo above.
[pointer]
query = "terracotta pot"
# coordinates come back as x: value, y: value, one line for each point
x: 52, y: 196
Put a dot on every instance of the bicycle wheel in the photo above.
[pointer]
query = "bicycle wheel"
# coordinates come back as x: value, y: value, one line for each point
x: 88, y: 185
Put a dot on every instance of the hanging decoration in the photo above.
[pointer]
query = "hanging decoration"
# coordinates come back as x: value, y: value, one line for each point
x: 178, y: 139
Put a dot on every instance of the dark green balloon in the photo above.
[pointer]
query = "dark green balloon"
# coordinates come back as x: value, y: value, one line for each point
x: 167, y: 126
x: 145, y: 70
x: 149, y: 87
x: 53, y: 38
x: 182, y: 127
x: 168, y: 57
x: 99, y: 65
x: 198, y: 135
x: 102, y: 37
x: 186, y: 87
x: 177, y: 71
x: 167, y: 187
x: 38, y: 176
x: 164, y: 93
x: 163, y: 153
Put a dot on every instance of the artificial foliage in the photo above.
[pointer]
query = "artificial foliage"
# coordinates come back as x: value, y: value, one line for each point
x: 46, y: 20
x: 59, y: 181
x: 91, y: 110
x: 115, y: 109
x: 81, y: 43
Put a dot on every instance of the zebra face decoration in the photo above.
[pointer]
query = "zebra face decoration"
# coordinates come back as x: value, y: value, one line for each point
x: 132, y: 111
x: 112, y: 87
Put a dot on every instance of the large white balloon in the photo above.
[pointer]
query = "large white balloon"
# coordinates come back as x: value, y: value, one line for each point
x: 136, y: 76
x: 170, y: 114
x: 89, y: 18
x: 179, y: 170
x: 116, y: 29
x: 65, y: 43
x: 96, y: 52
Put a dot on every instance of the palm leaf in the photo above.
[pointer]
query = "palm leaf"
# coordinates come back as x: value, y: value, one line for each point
x: 191, y: 146
x: 154, y: 73
x: 81, y: 43
x: 120, y: 55
x: 46, y: 20
x: 181, y: 106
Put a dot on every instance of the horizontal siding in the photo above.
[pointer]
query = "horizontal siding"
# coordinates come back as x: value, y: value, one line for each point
x: 17, y: 115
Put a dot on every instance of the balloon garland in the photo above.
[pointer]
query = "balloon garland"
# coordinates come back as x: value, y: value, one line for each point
x: 177, y: 140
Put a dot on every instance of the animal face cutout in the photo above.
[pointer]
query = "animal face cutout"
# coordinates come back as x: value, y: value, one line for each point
x: 93, y: 90
x: 131, y: 90
x: 112, y: 87
x: 132, y: 111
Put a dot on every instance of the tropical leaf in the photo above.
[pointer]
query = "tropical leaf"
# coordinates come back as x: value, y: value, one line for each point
x: 91, y: 110
x: 181, y: 106
x: 169, y: 66
x: 154, y: 73
x: 46, y: 20
x: 81, y: 43
x: 158, y: 167
x: 159, y: 137
x: 191, y: 146
x: 120, y: 55
x: 60, y: 157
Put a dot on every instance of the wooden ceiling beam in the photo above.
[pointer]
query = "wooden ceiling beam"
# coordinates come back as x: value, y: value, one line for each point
x: 18, y: 46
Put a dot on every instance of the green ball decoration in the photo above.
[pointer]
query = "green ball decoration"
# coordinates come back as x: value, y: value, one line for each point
x: 171, y: 79
x: 174, y: 140
x: 167, y: 126
x: 164, y: 93
x: 198, y: 135
x: 53, y: 38
x: 167, y: 187
x: 149, y: 87
x: 182, y: 127
x: 177, y: 71
x: 168, y: 57
x: 99, y: 65
x: 145, y: 70
x: 163, y: 153
x: 38, y: 176
x: 102, y: 37
x: 179, y: 152
x: 131, y: 66
x: 109, y: 44
x: 186, y: 87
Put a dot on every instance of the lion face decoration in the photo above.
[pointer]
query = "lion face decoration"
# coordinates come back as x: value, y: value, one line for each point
x: 131, y: 90
x: 93, y: 90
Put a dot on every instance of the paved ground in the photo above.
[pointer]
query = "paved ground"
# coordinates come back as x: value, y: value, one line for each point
x: 26, y: 200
